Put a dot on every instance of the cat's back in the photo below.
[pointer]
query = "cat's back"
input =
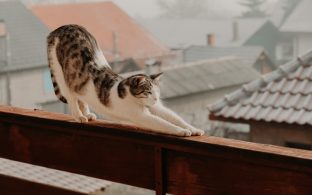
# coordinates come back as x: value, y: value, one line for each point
x: 72, y: 33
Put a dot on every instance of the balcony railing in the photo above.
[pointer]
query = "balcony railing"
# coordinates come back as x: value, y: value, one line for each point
x: 194, y: 165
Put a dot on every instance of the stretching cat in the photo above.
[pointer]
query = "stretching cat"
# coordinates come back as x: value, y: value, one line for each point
x: 82, y: 77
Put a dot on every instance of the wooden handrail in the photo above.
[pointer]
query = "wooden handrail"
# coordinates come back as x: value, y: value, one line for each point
x: 194, y: 165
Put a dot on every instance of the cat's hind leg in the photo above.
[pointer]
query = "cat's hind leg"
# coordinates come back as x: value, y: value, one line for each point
x: 86, y: 111
x: 75, y: 110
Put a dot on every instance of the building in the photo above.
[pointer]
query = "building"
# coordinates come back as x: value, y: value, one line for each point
x: 24, y: 75
x: 178, y: 33
x: 278, y: 106
x: 297, y: 27
x: 254, y: 55
x: 118, y: 35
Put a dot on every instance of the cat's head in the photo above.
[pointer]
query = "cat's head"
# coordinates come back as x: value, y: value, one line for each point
x: 145, y: 88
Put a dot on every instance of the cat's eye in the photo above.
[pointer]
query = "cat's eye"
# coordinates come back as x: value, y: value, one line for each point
x: 149, y: 92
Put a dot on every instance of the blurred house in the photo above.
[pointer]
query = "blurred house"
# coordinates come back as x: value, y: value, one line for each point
x: 125, y: 43
x: 289, y: 35
x: 254, y: 55
x: 278, y: 107
x: 297, y: 27
x: 182, y: 33
x: 24, y: 74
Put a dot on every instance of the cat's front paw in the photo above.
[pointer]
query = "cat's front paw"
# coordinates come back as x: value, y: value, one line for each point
x: 81, y: 119
x: 184, y: 132
x: 197, y: 132
x: 91, y: 117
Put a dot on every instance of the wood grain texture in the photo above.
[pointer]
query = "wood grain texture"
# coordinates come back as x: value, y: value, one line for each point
x: 195, y: 165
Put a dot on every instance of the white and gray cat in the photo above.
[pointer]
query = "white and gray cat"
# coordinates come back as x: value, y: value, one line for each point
x: 82, y: 77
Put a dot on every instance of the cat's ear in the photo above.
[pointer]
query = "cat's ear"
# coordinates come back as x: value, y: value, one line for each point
x: 138, y: 80
x: 156, y: 77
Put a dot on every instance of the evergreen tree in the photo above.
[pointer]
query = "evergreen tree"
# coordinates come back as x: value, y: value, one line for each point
x: 254, y: 8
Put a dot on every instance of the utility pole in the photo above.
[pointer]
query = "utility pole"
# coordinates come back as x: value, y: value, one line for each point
x: 115, y: 50
x: 7, y: 72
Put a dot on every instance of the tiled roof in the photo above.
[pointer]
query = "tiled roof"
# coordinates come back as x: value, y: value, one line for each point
x: 250, y: 53
x: 102, y: 19
x: 177, y: 33
x: 284, y: 95
x: 60, y: 179
x: 27, y: 36
x: 205, y: 75
x: 300, y: 19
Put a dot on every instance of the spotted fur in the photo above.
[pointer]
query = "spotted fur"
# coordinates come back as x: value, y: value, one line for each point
x: 82, y: 77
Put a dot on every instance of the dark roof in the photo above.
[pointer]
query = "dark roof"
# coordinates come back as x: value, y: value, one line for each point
x: 285, y: 95
x: 250, y: 53
x: 178, y: 33
x: 300, y: 19
x: 27, y: 36
x: 205, y: 76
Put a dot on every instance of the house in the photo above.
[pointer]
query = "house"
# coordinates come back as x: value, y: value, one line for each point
x: 278, y: 106
x: 256, y: 56
x: 297, y: 27
x: 177, y: 34
x: 118, y: 35
x: 287, y: 34
x: 24, y: 74
x: 268, y: 37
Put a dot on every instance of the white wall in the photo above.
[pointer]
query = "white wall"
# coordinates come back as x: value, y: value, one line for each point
x: 303, y: 43
x: 193, y: 108
x: 3, y: 95
x: 27, y: 89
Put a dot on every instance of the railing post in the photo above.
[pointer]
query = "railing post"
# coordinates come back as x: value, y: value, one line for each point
x: 159, y: 170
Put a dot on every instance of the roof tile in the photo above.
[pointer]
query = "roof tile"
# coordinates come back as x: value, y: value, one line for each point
x: 287, y: 97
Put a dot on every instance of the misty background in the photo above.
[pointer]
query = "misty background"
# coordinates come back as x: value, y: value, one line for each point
x: 215, y: 9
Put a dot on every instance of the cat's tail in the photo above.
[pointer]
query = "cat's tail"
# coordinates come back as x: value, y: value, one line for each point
x: 57, y: 89
x: 51, y: 60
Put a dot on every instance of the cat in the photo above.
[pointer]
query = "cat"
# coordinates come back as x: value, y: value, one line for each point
x: 82, y: 77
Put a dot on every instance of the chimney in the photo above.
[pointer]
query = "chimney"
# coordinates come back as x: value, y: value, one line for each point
x: 235, y: 30
x: 2, y: 28
x: 211, y: 39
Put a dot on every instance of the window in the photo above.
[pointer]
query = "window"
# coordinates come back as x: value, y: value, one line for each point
x: 48, y: 86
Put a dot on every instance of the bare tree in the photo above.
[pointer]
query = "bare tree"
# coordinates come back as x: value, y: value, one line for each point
x: 254, y: 8
x: 183, y: 8
x: 289, y: 5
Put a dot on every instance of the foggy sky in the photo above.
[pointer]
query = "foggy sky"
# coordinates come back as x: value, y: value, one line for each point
x: 150, y: 9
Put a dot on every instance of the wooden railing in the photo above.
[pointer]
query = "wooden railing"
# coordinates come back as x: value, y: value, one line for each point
x: 194, y: 165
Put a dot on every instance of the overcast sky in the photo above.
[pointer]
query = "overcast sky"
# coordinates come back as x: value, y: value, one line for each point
x: 149, y: 8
